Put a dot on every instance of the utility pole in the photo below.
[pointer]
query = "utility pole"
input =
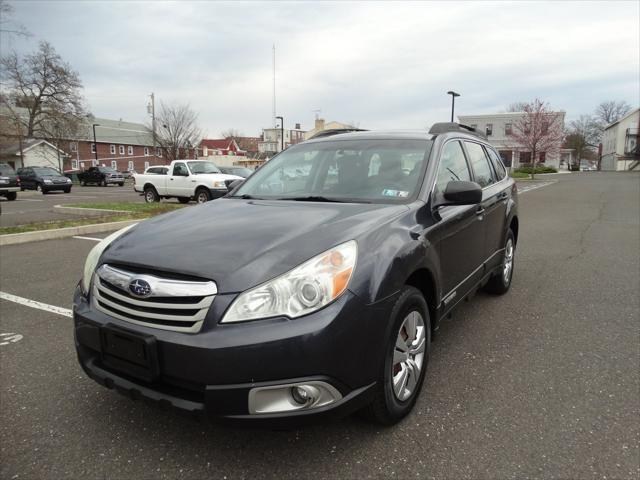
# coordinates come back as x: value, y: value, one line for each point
x: 281, y: 133
x: 95, y: 144
x: 274, y: 85
x: 153, y: 122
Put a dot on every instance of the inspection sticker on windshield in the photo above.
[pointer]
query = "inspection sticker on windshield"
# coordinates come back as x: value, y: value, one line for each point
x: 395, y: 193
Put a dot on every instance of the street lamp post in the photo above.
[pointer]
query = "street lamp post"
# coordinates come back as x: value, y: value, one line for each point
x: 453, y: 101
x: 281, y: 133
x: 95, y: 144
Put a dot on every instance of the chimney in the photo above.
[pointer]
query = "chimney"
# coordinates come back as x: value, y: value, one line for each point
x: 319, y: 123
x: 297, y: 126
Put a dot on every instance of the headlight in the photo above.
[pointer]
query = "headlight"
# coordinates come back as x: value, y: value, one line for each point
x: 303, y: 290
x: 68, y: 180
x: 94, y: 256
x: 46, y: 180
x: 219, y: 184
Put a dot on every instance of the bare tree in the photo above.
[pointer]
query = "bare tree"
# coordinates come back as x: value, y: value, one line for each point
x: 583, y: 137
x: 540, y: 130
x: 43, y: 84
x: 516, y: 106
x: 232, y: 133
x: 611, y: 111
x: 58, y: 129
x: 177, y: 128
x: 7, y: 26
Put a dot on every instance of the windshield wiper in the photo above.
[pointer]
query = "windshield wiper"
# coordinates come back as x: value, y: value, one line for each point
x: 312, y: 198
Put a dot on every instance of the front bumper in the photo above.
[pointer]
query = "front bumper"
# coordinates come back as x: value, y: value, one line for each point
x: 211, y: 373
x: 114, y: 180
x: 218, y: 192
x: 56, y: 186
x: 4, y: 190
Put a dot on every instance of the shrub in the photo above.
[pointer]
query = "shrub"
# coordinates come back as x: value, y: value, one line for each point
x: 539, y: 169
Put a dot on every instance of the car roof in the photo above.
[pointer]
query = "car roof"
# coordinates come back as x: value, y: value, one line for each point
x: 375, y: 135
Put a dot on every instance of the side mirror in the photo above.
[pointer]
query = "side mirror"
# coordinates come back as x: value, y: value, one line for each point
x: 235, y: 184
x: 462, y: 193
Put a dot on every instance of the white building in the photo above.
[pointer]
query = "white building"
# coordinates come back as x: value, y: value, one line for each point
x: 499, y: 128
x: 321, y: 125
x: 35, y: 153
x: 272, y: 143
x: 620, y: 147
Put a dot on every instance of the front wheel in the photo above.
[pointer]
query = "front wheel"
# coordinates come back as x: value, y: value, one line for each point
x: 406, y: 357
x: 203, y: 195
x: 67, y: 190
x: 501, y: 280
x: 150, y: 195
x: 104, y: 183
x: 121, y: 184
x: 12, y: 196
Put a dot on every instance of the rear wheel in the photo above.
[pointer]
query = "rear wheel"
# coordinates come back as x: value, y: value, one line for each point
x: 184, y: 199
x: 104, y: 183
x: 501, y: 280
x: 150, y: 195
x: 12, y: 196
x: 40, y: 188
x: 203, y: 195
x: 406, y: 358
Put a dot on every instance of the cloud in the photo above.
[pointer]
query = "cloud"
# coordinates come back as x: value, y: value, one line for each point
x: 383, y: 65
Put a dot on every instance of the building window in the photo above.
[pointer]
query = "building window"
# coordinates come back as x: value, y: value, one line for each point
x: 508, y: 130
x: 82, y: 165
x: 489, y: 129
x: 93, y: 148
x: 112, y: 149
x: 525, y: 157
x: 121, y: 149
x: 73, y: 146
x: 146, y: 151
x: 158, y: 152
x: 542, y: 157
x: 114, y: 164
x: 146, y: 165
x: 130, y: 150
x: 130, y: 165
x: 74, y: 164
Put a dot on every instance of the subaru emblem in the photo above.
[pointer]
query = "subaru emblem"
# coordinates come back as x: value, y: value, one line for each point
x: 140, y: 288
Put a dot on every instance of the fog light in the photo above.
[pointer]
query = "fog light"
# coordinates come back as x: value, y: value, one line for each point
x: 304, y: 394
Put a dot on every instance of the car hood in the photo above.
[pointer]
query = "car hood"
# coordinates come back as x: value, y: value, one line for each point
x: 217, y: 176
x: 242, y: 243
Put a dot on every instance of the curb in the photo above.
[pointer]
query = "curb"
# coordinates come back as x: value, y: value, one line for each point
x: 16, y: 238
x: 83, y: 210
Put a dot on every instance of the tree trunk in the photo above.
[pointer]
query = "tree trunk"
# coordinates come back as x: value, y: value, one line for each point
x: 533, y: 162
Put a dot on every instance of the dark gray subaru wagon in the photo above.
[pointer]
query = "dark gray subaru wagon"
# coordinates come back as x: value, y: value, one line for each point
x: 313, y: 289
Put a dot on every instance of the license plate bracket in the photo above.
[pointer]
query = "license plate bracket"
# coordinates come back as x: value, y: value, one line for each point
x: 130, y: 353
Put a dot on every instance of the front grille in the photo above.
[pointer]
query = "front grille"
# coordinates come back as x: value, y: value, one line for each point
x: 171, y: 304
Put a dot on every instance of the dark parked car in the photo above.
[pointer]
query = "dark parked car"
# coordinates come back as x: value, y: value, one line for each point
x: 313, y: 289
x: 239, y: 171
x: 43, y: 179
x: 9, y: 182
x: 101, y: 176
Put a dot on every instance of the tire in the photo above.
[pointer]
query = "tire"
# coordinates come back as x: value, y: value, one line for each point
x: 184, y: 200
x: 389, y: 407
x: 103, y: 183
x: 151, y: 195
x: 203, y: 195
x: 40, y: 188
x: 11, y: 196
x: 83, y: 183
x: 500, y: 282
x: 67, y: 190
x: 121, y: 184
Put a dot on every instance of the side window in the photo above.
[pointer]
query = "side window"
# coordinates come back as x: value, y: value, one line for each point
x: 452, y: 167
x: 180, y: 169
x: 480, y: 164
x: 501, y: 172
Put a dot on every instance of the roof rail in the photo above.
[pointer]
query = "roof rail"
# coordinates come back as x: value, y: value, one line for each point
x: 336, y: 131
x: 444, y: 127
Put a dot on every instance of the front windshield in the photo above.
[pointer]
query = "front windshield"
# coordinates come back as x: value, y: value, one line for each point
x: 240, y: 171
x: 202, y: 167
x: 46, y: 172
x: 347, y: 170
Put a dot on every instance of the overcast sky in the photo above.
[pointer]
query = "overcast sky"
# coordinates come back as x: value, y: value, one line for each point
x: 380, y: 65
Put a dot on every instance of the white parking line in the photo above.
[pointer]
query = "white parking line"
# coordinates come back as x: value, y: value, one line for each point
x: 65, y: 312
x: 28, y: 200
x: 88, y: 238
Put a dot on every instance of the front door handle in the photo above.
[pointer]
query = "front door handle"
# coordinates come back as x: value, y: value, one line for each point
x: 479, y: 210
x: 503, y: 195
x: 171, y: 179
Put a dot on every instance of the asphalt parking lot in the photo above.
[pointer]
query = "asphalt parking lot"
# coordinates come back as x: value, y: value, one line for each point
x: 543, y: 382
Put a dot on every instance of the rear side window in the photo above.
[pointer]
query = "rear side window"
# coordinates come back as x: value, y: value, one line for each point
x: 498, y: 166
x: 6, y: 170
x: 480, y: 164
x: 453, y: 166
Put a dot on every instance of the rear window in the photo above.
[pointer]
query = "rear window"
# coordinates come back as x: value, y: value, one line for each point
x: 6, y: 169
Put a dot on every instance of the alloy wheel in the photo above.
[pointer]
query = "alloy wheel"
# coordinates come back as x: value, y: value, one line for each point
x: 508, y: 262
x: 408, y: 356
